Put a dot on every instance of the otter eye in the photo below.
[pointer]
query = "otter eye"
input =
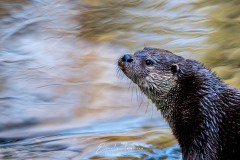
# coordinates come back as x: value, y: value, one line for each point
x: 148, y: 62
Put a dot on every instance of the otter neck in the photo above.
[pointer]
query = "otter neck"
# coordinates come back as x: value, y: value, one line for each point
x: 193, y: 116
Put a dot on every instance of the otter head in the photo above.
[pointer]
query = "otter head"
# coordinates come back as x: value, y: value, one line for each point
x: 154, y: 70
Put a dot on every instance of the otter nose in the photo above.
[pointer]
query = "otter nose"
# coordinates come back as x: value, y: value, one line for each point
x: 127, y: 58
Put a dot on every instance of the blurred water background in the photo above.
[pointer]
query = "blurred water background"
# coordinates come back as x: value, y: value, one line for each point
x: 60, y: 96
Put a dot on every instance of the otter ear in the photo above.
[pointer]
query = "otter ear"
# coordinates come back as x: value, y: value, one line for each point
x: 174, y: 68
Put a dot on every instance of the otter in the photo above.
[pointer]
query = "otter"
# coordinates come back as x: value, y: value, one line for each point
x: 202, y: 111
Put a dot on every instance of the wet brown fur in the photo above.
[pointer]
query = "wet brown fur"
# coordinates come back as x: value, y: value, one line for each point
x: 202, y: 111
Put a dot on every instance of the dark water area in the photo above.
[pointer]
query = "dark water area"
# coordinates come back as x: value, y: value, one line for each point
x: 60, y: 94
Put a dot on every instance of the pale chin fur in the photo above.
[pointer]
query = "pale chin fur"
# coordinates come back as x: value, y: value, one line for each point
x: 156, y: 86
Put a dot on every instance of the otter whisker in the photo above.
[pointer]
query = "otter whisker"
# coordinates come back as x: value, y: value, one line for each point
x: 152, y: 112
x: 137, y: 95
x: 130, y: 87
x: 147, y: 108
x: 119, y: 73
x: 137, y: 101
x: 141, y: 97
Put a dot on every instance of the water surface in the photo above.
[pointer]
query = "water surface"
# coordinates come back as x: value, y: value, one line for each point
x: 60, y: 95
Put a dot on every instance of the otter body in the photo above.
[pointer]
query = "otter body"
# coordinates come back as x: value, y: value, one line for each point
x: 202, y: 111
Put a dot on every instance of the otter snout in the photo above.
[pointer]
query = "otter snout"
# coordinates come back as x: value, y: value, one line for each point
x: 127, y: 58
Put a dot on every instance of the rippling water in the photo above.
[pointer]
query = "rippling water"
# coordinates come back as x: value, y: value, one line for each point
x: 60, y: 95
